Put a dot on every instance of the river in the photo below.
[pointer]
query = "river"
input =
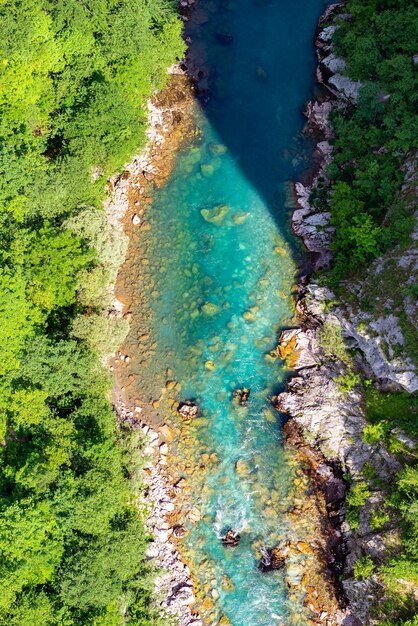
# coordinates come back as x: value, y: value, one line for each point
x: 223, y: 264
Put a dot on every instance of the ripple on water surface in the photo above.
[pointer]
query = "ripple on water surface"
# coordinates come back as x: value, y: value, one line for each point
x: 223, y: 273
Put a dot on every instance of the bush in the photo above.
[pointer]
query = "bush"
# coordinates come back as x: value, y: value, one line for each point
x: 378, y: 519
x: 332, y: 342
x: 363, y: 568
x: 358, y: 494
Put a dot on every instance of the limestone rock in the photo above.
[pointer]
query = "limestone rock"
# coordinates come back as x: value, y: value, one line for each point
x: 188, y: 410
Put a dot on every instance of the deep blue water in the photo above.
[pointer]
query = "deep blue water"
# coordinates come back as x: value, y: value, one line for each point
x: 222, y: 255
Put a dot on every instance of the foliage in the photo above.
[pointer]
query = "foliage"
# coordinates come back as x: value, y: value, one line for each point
x: 347, y: 382
x: 363, y: 568
x: 373, y: 136
x: 398, y: 409
x: 75, y: 77
x: 358, y: 494
x: 332, y: 342
x: 378, y: 519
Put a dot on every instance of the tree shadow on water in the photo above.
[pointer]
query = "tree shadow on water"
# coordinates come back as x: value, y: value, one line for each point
x: 254, y: 65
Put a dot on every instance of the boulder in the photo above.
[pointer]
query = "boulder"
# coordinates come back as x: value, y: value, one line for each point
x: 240, y: 396
x: 273, y: 559
x: 231, y: 538
x: 188, y: 410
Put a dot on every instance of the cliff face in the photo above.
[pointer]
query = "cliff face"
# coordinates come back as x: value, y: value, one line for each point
x: 339, y: 341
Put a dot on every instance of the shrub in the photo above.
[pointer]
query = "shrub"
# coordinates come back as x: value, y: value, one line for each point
x: 332, y: 342
x: 363, y: 568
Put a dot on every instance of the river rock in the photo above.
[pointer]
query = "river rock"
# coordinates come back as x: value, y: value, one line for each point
x: 215, y: 215
x: 273, y: 559
x: 231, y: 538
x: 188, y: 410
x: 241, y: 396
x: 210, y: 309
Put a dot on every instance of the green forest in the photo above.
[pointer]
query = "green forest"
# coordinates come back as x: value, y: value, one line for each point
x: 74, y: 79
x: 373, y: 141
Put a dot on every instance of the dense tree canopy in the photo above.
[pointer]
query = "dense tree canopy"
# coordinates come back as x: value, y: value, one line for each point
x: 373, y: 138
x: 74, y: 79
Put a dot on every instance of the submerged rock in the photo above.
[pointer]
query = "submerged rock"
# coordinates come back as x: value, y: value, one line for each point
x: 224, y: 38
x: 216, y: 215
x: 240, y: 396
x: 210, y: 309
x: 231, y: 538
x: 240, y: 217
x: 217, y: 148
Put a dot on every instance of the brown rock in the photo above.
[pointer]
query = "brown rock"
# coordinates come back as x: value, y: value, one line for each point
x: 240, y: 396
x: 231, y: 538
x: 167, y: 432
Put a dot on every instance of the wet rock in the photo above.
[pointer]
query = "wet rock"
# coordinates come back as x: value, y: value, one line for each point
x: 194, y: 515
x: 300, y: 347
x: 273, y: 559
x: 179, y: 532
x: 166, y: 432
x: 231, y: 538
x: 241, y: 396
x: 188, y: 410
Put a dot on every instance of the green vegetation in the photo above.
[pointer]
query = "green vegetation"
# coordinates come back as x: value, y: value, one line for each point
x: 356, y: 499
x: 378, y: 519
x: 372, y: 138
x: 363, y: 568
x: 332, y: 342
x: 74, y: 80
x: 347, y: 382
x: 397, y: 409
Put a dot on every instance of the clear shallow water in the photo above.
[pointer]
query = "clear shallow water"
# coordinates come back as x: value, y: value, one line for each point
x: 222, y: 292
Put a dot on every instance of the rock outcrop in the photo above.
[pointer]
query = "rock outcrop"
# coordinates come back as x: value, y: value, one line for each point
x: 327, y: 416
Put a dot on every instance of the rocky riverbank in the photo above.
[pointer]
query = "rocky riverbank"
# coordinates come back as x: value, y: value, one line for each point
x: 170, y: 127
x: 325, y: 401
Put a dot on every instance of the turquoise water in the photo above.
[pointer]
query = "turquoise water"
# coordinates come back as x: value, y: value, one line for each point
x: 223, y: 272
